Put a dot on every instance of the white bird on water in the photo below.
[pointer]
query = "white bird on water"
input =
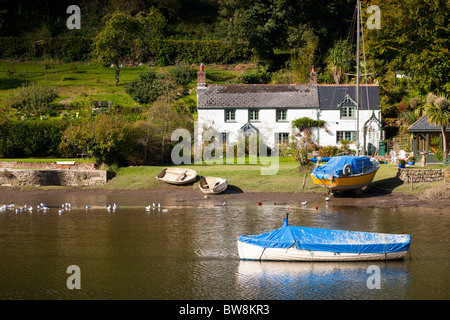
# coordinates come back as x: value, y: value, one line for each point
x: 304, y: 202
x: 327, y: 199
x: 60, y: 211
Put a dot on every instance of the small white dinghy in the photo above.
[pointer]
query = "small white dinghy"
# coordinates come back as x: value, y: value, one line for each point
x: 212, y: 185
x: 292, y: 243
x: 177, y: 175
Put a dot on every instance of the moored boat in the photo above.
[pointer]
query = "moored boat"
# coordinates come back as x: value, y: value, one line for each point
x: 177, y: 175
x: 293, y: 243
x: 212, y: 185
x: 346, y: 173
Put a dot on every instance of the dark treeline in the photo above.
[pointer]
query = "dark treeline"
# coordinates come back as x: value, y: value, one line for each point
x: 266, y: 25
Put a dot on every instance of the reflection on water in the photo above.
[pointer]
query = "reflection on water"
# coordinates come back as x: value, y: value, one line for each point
x: 191, y: 253
x: 312, y: 280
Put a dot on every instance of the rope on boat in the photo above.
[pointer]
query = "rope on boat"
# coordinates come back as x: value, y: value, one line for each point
x: 262, y: 254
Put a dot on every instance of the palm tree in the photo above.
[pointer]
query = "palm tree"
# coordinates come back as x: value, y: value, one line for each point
x: 437, y: 109
x: 338, y: 59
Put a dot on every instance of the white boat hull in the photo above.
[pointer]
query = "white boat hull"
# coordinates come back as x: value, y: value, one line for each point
x: 249, y: 251
x: 177, y: 176
x: 212, y: 185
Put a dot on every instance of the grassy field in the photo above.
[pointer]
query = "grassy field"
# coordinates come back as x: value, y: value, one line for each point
x: 85, y: 82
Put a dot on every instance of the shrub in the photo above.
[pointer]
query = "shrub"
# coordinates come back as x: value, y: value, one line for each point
x: 109, y: 138
x: 31, y: 100
x: 183, y: 75
x: 146, y: 89
x: 254, y: 76
x: 305, y: 122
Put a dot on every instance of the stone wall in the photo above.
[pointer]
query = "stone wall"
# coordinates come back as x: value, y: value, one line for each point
x: 55, y: 177
x: 420, y: 175
x: 70, y: 165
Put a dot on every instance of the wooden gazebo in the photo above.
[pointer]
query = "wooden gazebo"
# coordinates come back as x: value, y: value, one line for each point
x: 428, y: 139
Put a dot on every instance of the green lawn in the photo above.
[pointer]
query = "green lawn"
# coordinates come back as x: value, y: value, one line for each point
x: 248, y: 178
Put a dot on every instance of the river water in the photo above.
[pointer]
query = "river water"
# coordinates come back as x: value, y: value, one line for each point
x: 181, y: 252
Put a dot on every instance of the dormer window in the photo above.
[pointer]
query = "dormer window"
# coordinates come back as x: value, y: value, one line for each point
x: 347, y: 108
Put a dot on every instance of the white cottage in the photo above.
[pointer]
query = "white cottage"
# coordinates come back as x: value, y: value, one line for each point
x: 269, y: 109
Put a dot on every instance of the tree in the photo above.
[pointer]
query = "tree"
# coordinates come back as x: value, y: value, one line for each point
x: 115, y: 44
x: 437, y: 110
x: 304, y: 42
x: 338, y: 59
x: 414, y: 38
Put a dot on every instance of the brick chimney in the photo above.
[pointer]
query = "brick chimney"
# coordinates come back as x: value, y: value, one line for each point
x: 313, y: 76
x: 201, y: 77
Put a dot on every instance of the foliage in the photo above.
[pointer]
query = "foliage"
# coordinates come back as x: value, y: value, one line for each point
x: 302, y: 57
x: 305, y: 122
x: 155, y: 131
x: 115, y: 43
x: 108, y: 138
x: 183, y: 75
x: 415, y: 38
x: 302, y: 146
x: 32, y: 138
x: 65, y: 48
x: 345, y: 143
x: 338, y: 59
x: 437, y: 110
x: 328, y: 151
x: 254, y: 76
x: 266, y: 25
x: 146, y: 89
x: 31, y: 99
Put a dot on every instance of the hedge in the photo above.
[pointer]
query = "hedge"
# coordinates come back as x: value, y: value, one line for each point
x: 164, y: 52
x: 32, y: 138
x: 67, y: 48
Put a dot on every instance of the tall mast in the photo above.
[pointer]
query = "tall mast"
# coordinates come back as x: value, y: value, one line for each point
x: 357, y: 74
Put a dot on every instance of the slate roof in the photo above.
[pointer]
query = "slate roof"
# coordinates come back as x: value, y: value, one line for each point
x: 422, y: 125
x: 331, y: 95
x: 245, y: 96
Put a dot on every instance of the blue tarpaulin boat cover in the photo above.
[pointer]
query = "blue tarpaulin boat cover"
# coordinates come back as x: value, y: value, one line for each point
x: 339, y: 241
x: 335, y: 166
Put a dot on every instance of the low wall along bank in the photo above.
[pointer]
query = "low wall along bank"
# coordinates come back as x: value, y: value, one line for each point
x: 56, y: 177
x: 64, y: 173
x: 420, y: 175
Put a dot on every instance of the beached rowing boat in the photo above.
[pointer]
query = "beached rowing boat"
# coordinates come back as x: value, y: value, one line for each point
x: 293, y: 243
x: 212, y: 185
x: 177, y: 175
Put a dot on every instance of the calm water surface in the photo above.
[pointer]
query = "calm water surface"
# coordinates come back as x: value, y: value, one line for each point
x: 191, y: 253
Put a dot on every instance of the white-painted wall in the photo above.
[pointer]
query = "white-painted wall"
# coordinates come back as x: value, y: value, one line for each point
x: 268, y: 126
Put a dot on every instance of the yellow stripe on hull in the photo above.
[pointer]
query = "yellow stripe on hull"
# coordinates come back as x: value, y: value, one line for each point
x: 345, y: 183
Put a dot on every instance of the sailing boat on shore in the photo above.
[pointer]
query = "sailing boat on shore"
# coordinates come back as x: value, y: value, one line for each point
x: 344, y: 173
